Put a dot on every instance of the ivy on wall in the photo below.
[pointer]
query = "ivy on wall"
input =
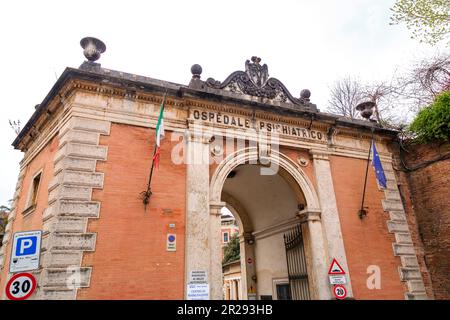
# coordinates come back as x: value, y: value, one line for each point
x: 433, y: 122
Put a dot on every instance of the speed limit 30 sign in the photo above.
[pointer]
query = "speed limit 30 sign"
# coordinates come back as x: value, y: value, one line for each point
x: 21, y: 286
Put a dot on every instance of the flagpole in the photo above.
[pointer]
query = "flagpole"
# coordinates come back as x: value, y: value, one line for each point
x: 146, y: 194
x: 362, y: 212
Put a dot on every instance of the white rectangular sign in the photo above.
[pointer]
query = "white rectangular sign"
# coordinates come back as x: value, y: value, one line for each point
x: 26, y: 250
x: 198, y: 276
x: 338, y: 279
x: 198, y: 291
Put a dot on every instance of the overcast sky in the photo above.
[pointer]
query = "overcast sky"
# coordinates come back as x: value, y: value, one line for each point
x: 306, y: 44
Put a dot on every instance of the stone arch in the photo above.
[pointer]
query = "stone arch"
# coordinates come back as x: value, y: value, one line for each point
x: 299, y: 181
x: 239, y: 212
x: 246, y: 155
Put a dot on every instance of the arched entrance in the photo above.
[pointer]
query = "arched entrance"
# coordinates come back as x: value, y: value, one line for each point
x: 268, y: 202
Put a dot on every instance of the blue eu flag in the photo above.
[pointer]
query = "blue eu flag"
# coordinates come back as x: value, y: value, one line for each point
x: 376, y: 162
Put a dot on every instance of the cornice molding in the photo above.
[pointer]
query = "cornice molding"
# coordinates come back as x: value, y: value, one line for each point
x: 132, y: 94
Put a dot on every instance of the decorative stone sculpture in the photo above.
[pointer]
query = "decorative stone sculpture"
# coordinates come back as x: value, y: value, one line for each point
x: 255, y: 81
x: 196, y: 71
x: 93, y: 48
x: 366, y: 109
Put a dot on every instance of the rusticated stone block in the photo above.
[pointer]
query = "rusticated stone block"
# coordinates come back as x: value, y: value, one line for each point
x: 82, y: 150
x: 416, y: 286
x: 78, y: 136
x: 67, y: 277
x: 68, y: 177
x: 387, y: 166
x: 66, y: 192
x: 416, y: 296
x: 403, y: 238
x: 80, y: 208
x: 65, y: 224
x: 403, y: 249
x: 392, y: 205
x: 57, y: 294
x: 397, y: 216
x: 392, y: 195
x: 78, y: 164
x: 70, y: 241
x: 409, y: 261
x: 92, y: 125
x: 391, y: 185
x: 73, y: 208
x: 12, y: 216
x: 390, y: 175
x: 410, y: 274
x: 55, y: 259
x: 395, y: 226
x: 6, y: 237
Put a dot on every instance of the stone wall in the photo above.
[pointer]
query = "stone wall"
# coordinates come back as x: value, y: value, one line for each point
x: 429, y: 194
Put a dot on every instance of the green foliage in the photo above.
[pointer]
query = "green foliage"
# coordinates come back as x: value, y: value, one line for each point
x: 429, y: 20
x: 232, y: 250
x: 433, y: 122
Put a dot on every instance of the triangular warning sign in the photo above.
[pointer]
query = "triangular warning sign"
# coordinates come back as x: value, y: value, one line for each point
x: 335, y: 268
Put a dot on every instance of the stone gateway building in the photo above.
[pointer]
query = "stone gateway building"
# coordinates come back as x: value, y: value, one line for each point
x: 292, y: 176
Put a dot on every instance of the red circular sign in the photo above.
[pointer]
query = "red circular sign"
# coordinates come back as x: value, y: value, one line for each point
x: 249, y: 261
x: 339, y: 291
x: 21, y: 286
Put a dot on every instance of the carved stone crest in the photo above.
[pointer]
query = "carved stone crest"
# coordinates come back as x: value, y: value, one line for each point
x: 257, y: 73
x: 255, y: 81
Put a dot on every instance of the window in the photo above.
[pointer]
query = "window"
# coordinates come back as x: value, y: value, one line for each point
x: 283, y: 291
x: 225, y: 237
x: 33, y: 195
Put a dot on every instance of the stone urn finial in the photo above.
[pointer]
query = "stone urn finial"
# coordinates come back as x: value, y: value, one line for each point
x: 93, y: 48
x: 366, y: 109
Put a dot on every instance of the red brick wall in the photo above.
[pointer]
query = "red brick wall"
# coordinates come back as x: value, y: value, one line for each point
x: 294, y: 155
x: 130, y: 260
x: 429, y: 194
x: 43, y: 161
x: 367, y: 241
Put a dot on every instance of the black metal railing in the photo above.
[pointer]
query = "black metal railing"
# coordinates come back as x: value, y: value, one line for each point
x: 296, y: 263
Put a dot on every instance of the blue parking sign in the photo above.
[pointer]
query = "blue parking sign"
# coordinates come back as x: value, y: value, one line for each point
x: 25, y: 251
x: 26, y: 246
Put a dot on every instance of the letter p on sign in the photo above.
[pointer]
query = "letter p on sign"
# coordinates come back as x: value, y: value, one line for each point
x: 26, y: 246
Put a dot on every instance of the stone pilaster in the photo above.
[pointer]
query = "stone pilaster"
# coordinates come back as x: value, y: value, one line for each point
x: 403, y: 245
x: 70, y: 205
x: 329, y: 212
x: 198, y: 227
x: 216, y: 276
x: 318, y: 255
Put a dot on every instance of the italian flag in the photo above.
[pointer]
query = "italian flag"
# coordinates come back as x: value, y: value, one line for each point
x: 159, y: 134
